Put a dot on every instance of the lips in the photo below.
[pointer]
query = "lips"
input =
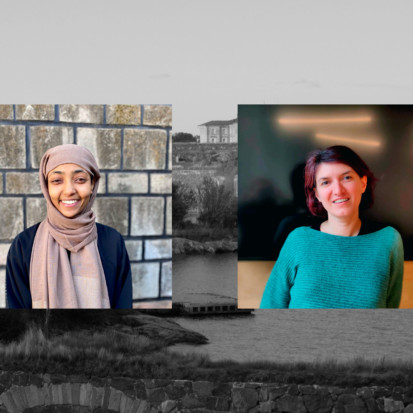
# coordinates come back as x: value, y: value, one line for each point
x: 70, y: 202
x: 341, y: 200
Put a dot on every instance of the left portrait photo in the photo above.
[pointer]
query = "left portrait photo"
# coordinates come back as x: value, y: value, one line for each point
x: 86, y: 206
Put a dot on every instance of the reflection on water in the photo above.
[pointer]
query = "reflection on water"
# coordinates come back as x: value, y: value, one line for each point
x: 286, y: 335
x: 210, y: 273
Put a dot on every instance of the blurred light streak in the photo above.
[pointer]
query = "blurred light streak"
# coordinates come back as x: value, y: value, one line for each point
x: 314, y: 121
x: 345, y: 139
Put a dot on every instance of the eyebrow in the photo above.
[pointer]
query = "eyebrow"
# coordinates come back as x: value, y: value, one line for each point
x: 74, y: 172
x: 327, y: 177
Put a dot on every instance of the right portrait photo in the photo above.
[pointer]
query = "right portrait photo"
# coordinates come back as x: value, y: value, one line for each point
x: 325, y: 206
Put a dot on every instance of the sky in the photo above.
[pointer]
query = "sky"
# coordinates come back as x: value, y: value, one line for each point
x: 205, y: 57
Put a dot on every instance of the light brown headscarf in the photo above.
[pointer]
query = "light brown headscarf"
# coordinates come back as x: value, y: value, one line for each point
x: 55, y: 280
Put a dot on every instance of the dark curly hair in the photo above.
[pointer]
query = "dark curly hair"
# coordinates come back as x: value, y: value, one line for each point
x: 341, y: 154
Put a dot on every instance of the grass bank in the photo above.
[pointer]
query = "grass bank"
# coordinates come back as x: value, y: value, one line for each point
x: 132, y: 349
x: 205, y: 233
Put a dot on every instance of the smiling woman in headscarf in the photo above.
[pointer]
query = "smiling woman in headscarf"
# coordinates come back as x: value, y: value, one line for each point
x: 68, y: 260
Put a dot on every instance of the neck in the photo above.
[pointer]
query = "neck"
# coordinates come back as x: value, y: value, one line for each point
x: 342, y: 226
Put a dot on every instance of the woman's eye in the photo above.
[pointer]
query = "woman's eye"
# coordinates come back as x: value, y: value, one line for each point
x: 81, y: 180
x: 56, y: 181
x: 324, y: 183
x: 347, y: 177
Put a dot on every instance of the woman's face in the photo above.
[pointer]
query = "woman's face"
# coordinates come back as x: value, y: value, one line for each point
x: 70, y: 187
x: 339, y: 188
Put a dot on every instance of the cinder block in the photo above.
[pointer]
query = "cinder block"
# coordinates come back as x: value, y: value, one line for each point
x: 75, y: 393
x: 97, y: 397
x: 114, y: 399
x: 35, y: 112
x: 134, y: 249
x: 161, y: 183
x: 46, y: 137
x: 57, y: 394
x: 166, y: 281
x: 169, y: 215
x: 1, y: 183
x: 2, y: 288
x: 11, y: 217
x: 102, y: 184
x: 12, y: 146
x: 6, y: 112
x: 125, y: 404
x: 19, y: 397
x: 123, y: 114
x: 23, y: 183
x: 145, y: 280
x: 67, y: 393
x: 112, y: 212
x: 32, y: 396
x: 157, y: 115
x: 81, y: 113
x: 7, y: 400
x: 4, y: 250
x: 132, y: 183
x: 104, y: 145
x: 144, y: 149
x: 85, y: 398
x: 170, y: 152
x: 157, y: 249
x: 147, y: 216
x: 36, y: 211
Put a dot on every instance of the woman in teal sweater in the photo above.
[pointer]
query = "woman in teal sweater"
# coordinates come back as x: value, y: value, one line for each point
x: 343, y: 263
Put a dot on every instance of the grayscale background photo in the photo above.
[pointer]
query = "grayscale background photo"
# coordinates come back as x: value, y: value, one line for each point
x: 204, y: 58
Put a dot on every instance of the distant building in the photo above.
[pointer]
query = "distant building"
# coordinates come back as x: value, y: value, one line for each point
x: 219, y: 131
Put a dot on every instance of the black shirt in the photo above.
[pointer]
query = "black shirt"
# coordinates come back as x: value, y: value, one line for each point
x: 113, y: 254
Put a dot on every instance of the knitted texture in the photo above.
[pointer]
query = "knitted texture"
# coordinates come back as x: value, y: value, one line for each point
x: 320, y: 270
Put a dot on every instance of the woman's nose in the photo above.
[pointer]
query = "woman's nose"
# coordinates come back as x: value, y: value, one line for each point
x: 68, y: 188
x: 337, y: 187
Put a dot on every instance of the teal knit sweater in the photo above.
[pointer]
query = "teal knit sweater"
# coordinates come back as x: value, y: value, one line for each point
x: 320, y: 270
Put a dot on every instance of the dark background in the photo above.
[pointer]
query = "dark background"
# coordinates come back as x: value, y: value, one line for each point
x: 271, y: 159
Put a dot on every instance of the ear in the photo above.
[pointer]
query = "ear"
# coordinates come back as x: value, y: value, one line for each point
x: 363, y: 183
x: 316, y: 193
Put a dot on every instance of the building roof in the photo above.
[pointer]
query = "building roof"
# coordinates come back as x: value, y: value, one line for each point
x: 219, y: 122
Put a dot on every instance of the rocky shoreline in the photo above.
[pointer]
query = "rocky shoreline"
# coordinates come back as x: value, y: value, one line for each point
x: 187, y: 246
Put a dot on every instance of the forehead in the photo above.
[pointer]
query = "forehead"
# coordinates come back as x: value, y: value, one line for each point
x: 67, y: 169
x: 331, y: 169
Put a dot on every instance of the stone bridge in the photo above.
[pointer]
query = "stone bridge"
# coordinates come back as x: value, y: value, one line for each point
x: 36, y: 393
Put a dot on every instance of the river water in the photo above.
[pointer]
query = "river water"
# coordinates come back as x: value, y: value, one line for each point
x: 286, y: 335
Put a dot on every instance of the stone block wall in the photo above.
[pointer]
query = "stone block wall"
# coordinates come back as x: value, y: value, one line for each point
x: 132, y: 146
x: 36, y: 393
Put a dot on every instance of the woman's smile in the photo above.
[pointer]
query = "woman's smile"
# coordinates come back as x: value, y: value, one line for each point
x: 70, y: 203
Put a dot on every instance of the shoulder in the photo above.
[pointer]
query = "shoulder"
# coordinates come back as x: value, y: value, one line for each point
x: 386, y: 232
x: 109, y: 237
x: 26, y: 238
x: 392, y: 234
x: 106, y: 231
x: 388, y: 237
x: 301, y: 233
x: 299, y: 237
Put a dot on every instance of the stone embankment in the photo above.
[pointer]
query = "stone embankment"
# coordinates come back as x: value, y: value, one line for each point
x: 22, y: 392
x: 187, y: 246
